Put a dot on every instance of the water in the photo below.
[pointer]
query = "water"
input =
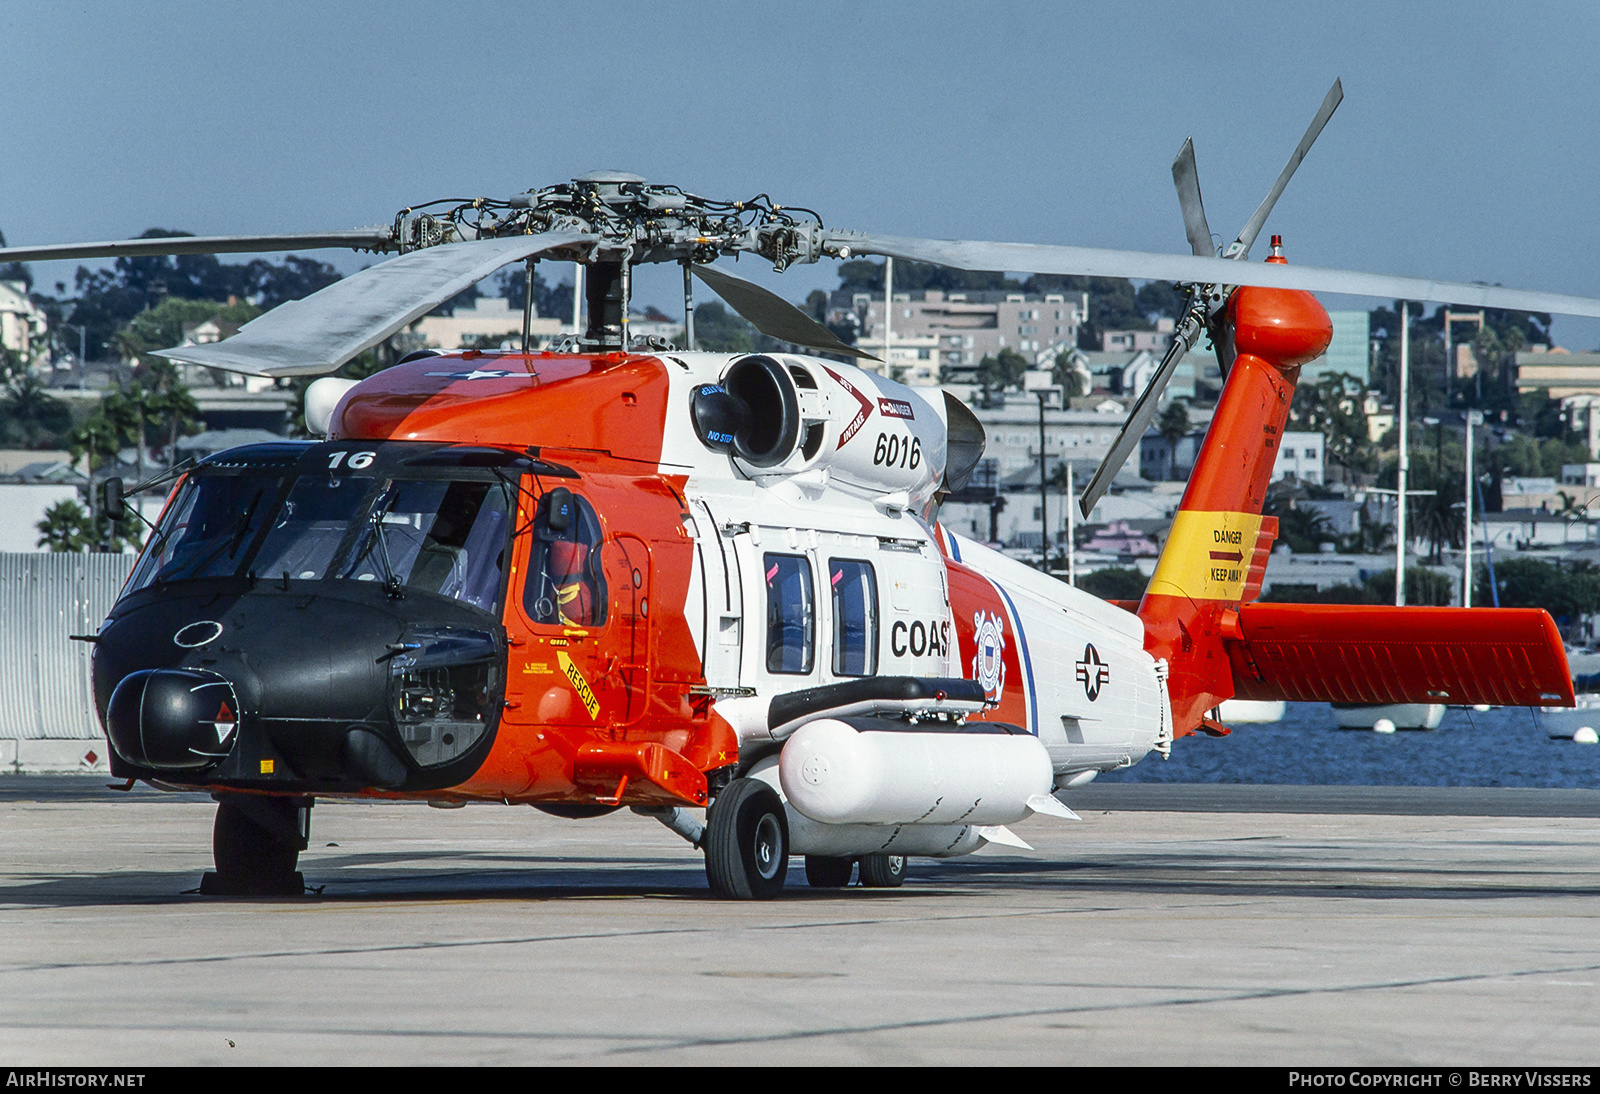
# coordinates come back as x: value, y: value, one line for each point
x: 1507, y: 746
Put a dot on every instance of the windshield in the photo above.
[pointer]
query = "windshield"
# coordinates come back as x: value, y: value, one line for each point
x: 208, y: 528
x: 308, y: 529
x: 443, y: 536
x: 436, y: 535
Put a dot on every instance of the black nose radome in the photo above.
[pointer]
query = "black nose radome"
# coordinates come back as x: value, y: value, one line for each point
x: 172, y: 719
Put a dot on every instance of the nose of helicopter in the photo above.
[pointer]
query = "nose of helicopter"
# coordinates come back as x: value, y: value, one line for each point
x: 301, y: 693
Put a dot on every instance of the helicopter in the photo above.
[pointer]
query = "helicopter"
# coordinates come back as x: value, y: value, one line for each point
x: 613, y: 573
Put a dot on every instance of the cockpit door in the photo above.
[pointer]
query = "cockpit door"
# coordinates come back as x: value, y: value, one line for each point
x: 559, y: 606
x: 626, y: 648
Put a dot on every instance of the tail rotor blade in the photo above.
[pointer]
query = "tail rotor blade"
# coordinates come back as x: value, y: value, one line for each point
x: 1139, y: 419
x: 1252, y: 228
x: 1186, y: 177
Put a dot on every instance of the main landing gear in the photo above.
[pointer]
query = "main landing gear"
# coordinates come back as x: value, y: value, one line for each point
x: 877, y: 871
x: 747, y: 849
x: 256, y: 842
x: 747, y: 842
x: 827, y: 872
x: 883, y: 871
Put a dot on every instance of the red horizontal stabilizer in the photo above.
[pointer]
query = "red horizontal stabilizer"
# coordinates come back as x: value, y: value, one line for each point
x: 1357, y: 653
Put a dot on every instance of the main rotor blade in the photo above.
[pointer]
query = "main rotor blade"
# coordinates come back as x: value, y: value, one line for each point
x: 324, y: 330
x: 772, y: 315
x: 1139, y: 419
x: 1186, y: 177
x: 357, y: 239
x: 1252, y: 227
x: 964, y: 254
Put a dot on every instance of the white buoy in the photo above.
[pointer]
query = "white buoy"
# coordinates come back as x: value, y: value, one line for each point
x: 1585, y: 735
x: 1383, y: 725
x: 1481, y: 708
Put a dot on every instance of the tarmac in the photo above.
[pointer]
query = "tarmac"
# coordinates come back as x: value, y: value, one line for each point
x: 1266, y: 925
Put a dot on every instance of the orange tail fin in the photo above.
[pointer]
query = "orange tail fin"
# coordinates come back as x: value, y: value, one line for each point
x: 1215, y: 555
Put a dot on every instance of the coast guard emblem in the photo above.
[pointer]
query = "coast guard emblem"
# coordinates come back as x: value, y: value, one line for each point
x: 988, y: 664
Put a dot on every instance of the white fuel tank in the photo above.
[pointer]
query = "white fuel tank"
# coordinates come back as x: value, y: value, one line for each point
x: 834, y: 773
x: 809, y: 837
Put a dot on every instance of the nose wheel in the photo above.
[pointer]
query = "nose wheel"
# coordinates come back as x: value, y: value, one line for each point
x: 256, y: 844
x: 747, y: 842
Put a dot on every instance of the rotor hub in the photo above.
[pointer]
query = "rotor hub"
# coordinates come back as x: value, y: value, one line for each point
x: 645, y: 222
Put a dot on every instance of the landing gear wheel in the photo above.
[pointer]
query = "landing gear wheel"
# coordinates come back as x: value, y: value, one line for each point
x: 251, y: 860
x: 883, y: 871
x: 747, y: 842
x: 827, y: 872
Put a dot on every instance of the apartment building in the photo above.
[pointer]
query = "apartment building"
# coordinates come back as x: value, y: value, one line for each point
x: 969, y: 326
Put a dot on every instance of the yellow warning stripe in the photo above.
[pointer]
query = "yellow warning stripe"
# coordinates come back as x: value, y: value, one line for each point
x: 1207, y: 556
x: 579, y: 684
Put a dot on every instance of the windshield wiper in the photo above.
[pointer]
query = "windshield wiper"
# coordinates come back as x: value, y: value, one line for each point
x: 391, y: 583
x: 235, y: 534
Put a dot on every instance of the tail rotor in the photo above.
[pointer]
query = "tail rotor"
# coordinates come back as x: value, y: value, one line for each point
x: 1204, y: 309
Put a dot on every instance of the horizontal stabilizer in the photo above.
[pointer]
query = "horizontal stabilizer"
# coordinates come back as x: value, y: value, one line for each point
x: 1357, y: 653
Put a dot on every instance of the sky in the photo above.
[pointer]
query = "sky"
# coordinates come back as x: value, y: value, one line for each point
x: 1465, y: 148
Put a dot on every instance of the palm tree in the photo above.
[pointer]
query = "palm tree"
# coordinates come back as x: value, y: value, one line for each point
x: 99, y: 438
x: 1174, y: 421
x: 65, y: 528
x: 1570, y: 512
x: 32, y: 418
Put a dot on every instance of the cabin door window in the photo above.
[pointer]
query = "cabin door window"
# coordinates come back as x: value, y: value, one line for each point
x: 854, y: 589
x: 791, y: 614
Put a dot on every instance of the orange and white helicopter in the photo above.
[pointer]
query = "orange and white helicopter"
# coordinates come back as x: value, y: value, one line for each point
x: 615, y: 575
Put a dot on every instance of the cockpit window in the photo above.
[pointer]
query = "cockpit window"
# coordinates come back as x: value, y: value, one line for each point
x: 433, y: 535
x: 437, y: 536
x: 208, y: 528
x: 565, y: 583
x: 308, y: 528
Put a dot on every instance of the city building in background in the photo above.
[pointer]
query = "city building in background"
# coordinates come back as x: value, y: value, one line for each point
x: 1557, y: 372
x: 23, y: 328
x: 969, y: 326
x: 1300, y: 458
x: 1349, y: 352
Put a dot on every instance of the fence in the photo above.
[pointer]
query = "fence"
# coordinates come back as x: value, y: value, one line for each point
x: 45, y: 691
